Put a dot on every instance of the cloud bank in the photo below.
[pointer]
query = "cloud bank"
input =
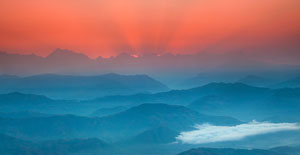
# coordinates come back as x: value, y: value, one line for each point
x: 207, y: 133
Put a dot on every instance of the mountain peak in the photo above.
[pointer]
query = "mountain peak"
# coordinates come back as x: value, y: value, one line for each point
x: 159, y: 135
x: 65, y: 53
x: 18, y: 97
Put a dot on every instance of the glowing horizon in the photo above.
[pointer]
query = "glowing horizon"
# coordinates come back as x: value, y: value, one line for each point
x: 107, y: 28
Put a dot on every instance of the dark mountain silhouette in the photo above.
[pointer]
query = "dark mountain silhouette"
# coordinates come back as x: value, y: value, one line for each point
x: 276, y: 102
x: 168, y: 67
x: 122, y: 125
x: 17, y: 98
x: 228, y: 151
x: 213, y: 99
x: 186, y: 96
x: 68, y: 86
x: 220, y: 98
x: 13, y: 146
x: 149, y: 116
x: 160, y: 135
x: 17, y: 64
x: 66, y: 55
x: 67, y: 61
x: 208, y: 77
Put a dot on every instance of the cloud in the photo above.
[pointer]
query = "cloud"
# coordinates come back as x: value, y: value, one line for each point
x: 207, y: 133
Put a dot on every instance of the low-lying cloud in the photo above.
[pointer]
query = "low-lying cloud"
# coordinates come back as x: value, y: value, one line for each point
x: 207, y: 133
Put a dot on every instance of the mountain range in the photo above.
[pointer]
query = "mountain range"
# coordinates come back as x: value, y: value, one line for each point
x: 230, y: 151
x: 168, y: 68
x: 80, y: 87
x: 159, y: 135
x: 113, y: 127
x: 14, y: 146
x: 220, y: 98
x: 145, y: 123
x: 212, y: 99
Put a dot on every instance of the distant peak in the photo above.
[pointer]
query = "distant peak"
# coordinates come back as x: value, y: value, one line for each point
x: 64, y: 52
x: 59, y: 51
x: 99, y: 58
x: 132, y: 75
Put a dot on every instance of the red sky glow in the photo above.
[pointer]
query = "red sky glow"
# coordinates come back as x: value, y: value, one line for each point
x: 108, y: 27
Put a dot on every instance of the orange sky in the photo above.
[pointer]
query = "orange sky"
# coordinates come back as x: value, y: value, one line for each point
x: 107, y: 27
